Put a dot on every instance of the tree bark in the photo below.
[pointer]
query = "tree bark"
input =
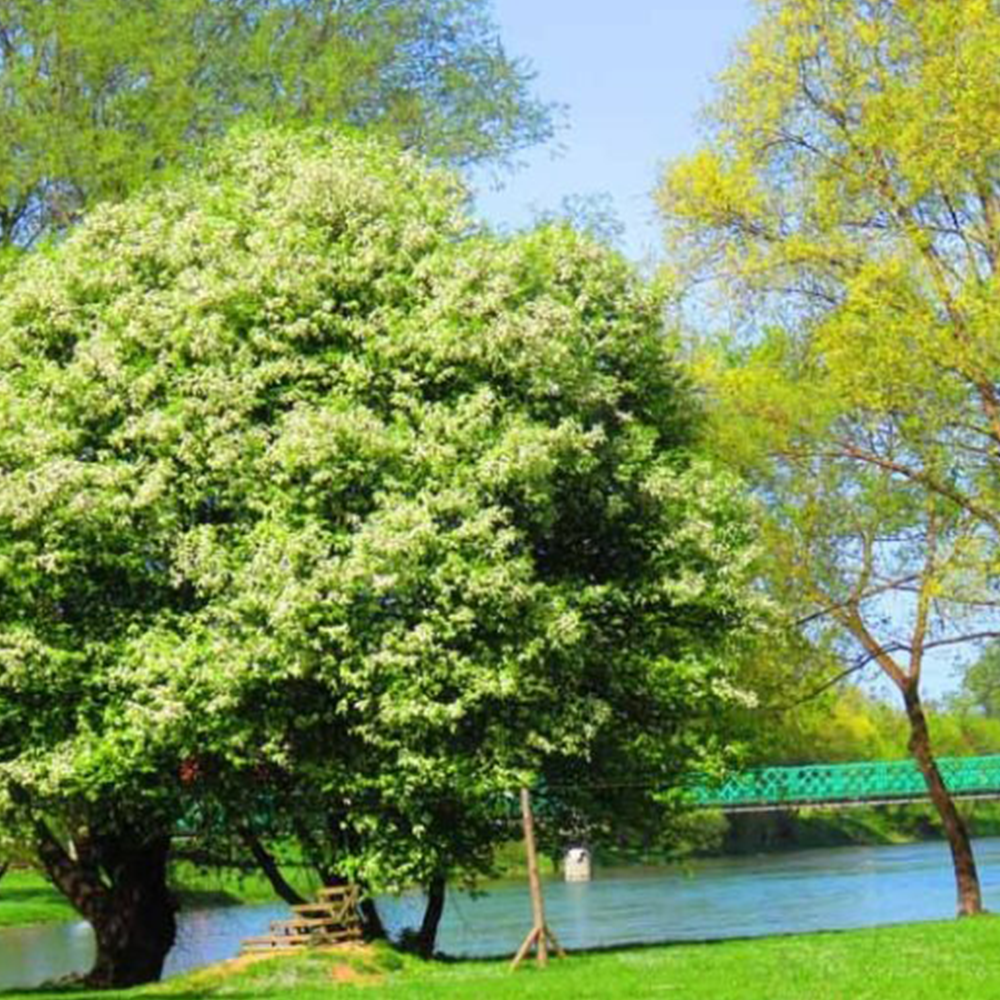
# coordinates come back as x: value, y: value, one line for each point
x: 427, y: 935
x: 133, y: 940
x: 371, y: 921
x: 966, y: 877
x: 119, y: 884
x: 267, y: 864
x: 116, y: 880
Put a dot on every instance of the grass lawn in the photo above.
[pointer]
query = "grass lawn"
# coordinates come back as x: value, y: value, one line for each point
x: 958, y: 960
x: 27, y: 898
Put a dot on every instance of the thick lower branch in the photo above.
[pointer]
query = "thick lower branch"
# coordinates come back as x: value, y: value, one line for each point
x: 269, y: 866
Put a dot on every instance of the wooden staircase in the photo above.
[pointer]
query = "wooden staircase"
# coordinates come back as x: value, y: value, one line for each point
x: 332, y: 919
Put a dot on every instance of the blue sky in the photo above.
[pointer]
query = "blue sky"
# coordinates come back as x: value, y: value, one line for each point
x: 633, y: 75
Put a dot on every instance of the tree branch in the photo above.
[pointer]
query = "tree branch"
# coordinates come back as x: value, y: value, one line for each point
x: 847, y: 450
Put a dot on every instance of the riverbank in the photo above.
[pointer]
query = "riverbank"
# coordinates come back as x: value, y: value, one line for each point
x: 803, y: 829
x: 28, y: 899
x: 909, y: 962
x: 705, y: 835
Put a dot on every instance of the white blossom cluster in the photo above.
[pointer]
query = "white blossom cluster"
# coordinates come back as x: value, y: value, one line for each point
x: 308, y: 483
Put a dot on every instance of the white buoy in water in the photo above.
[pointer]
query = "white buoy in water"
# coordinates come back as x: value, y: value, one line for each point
x: 577, y: 865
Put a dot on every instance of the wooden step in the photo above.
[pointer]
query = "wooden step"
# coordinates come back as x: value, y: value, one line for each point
x: 276, y: 941
x: 327, y: 934
x: 296, y: 942
x: 332, y: 919
x: 336, y: 937
x: 304, y: 925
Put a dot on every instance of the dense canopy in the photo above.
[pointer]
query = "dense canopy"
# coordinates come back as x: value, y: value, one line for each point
x: 321, y: 504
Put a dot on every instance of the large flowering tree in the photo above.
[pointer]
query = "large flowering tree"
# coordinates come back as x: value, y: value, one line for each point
x: 323, y: 510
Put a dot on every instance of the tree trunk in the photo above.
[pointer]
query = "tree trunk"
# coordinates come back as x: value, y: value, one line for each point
x: 139, y: 930
x: 119, y: 884
x: 313, y: 853
x: 427, y: 935
x: 371, y: 922
x: 966, y: 877
x: 267, y: 864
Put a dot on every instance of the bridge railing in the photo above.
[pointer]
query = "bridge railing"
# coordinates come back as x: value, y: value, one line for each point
x: 835, y: 784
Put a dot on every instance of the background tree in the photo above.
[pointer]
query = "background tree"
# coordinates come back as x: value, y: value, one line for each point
x: 980, y: 687
x: 324, y: 509
x: 98, y: 95
x: 846, y: 203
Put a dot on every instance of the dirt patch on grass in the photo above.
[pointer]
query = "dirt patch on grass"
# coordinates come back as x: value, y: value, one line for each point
x: 349, y: 974
x: 352, y: 966
x: 358, y: 965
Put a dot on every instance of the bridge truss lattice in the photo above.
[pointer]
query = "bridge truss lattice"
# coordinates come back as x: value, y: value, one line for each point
x: 845, y: 785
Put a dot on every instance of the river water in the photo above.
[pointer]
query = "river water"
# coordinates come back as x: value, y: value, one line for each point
x: 734, y: 897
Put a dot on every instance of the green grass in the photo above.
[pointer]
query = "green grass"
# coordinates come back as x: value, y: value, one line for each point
x: 26, y: 898
x: 197, y: 886
x: 940, y: 961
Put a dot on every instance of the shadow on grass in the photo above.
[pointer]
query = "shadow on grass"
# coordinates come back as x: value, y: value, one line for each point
x: 69, y: 990
x: 194, y: 993
x: 11, y: 893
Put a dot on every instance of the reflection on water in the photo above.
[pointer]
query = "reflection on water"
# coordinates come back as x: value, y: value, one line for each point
x: 733, y: 897
x: 32, y: 955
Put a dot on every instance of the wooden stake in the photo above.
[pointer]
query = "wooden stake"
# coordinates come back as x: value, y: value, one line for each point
x: 540, y: 935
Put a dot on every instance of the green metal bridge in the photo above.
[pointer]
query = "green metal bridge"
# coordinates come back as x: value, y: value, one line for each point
x: 821, y: 786
x: 839, y: 786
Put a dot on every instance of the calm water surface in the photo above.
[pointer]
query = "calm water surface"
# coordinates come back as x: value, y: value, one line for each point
x: 735, y: 897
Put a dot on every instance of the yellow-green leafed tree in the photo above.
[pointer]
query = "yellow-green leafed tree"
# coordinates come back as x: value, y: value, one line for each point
x: 845, y: 206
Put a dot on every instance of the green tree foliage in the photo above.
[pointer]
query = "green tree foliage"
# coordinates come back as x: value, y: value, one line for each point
x: 847, y: 724
x: 847, y: 201
x: 980, y: 688
x: 97, y: 95
x: 323, y: 508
